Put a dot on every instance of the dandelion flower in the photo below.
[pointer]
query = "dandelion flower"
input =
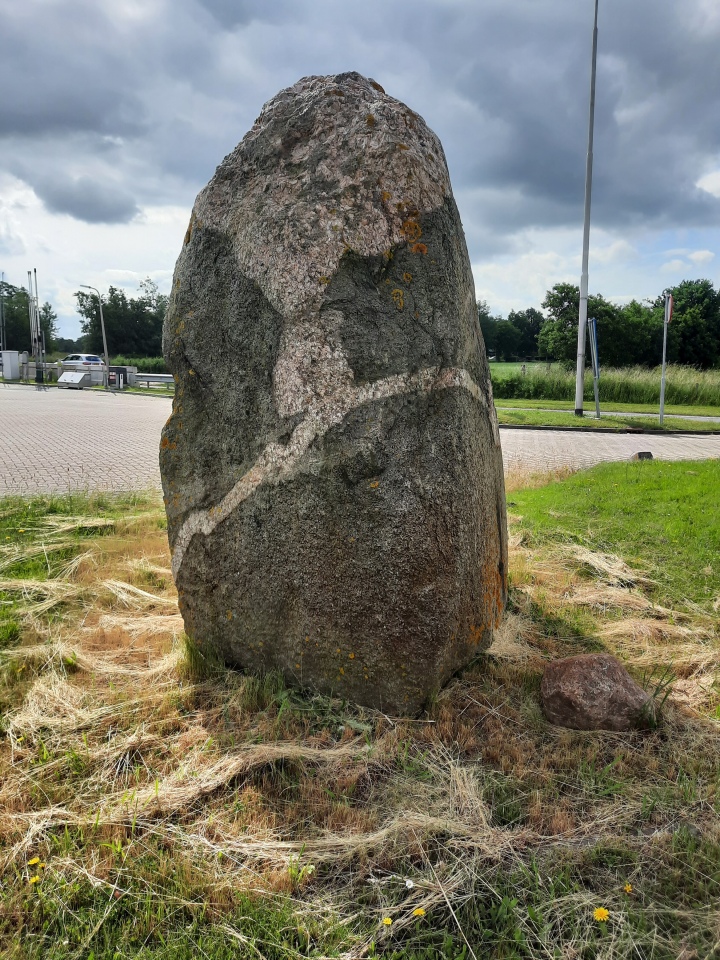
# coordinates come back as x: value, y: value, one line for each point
x: 409, y: 884
x: 41, y: 866
x: 628, y: 888
x: 601, y: 914
x: 35, y: 879
x: 387, y: 921
x: 31, y: 863
x: 418, y: 912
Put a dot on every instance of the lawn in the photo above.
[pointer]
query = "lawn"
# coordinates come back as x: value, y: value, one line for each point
x: 155, y: 806
x: 568, y: 406
x: 544, y: 418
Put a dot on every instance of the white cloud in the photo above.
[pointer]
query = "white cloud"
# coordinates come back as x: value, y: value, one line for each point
x: 701, y: 256
x: 674, y: 266
x: 710, y: 183
x: 612, y: 253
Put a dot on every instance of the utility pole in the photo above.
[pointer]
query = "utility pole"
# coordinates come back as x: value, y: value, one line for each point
x: 580, y: 375
x: 36, y: 337
x: 106, y: 375
x: 3, y: 345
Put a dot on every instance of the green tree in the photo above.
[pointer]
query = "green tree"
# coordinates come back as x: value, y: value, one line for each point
x: 487, y: 326
x: 643, y: 333
x: 694, y: 332
x: 558, y: 335
x: 528, y: 324
x: 507, y: 340
x: 133, y: 325
x: 17, y: 319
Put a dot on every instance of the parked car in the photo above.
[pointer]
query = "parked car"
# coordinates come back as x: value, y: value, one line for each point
x: 81, y: 361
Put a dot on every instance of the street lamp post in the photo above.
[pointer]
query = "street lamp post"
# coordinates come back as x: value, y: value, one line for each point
x: 106, y: 375
x: 580, y: 374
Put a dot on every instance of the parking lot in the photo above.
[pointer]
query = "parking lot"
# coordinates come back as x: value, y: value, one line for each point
x: 55, y: 440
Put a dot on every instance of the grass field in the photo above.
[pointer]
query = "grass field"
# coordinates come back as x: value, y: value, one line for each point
x: 568, y: 406
x: 685, y: 385
x: 535, y: 418
x: 155, y: 807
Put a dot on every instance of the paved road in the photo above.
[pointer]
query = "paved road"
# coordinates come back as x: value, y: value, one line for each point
x: 55, y: 440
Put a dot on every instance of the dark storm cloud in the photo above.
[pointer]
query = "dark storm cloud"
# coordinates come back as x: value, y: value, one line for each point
x: 149, y: 96
x: 234, y: 13
x: 86, y: 199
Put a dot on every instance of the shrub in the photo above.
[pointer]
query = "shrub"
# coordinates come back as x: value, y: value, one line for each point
x: 144, y: 364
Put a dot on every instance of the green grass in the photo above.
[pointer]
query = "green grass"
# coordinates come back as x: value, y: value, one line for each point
x: 501, y: 368
x: 685, y: 385
x: 534, y: 827
x: 658, y: 515
x: 568, y: 406
x: 534, y: 418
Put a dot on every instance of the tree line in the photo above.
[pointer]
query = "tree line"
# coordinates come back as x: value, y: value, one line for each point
x: 133, y: 324
x: 16, y: 316
x: 628, y: 335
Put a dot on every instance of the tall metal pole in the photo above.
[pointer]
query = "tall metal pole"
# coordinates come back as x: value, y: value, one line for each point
x: 580, y: 374
x: 40, y: 362
x: 666, y: 321
x: 106, y: 374
x: 3, y: 345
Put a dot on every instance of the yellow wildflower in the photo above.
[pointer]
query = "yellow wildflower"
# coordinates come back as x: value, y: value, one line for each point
x: 418, y: 912
x: 31, y: 863
x: 387, y: 921
x: 35, y: 879
x: 628, y: 888
x: 601, y: 914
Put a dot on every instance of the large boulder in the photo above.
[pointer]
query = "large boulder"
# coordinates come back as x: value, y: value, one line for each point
x: 332, y: 468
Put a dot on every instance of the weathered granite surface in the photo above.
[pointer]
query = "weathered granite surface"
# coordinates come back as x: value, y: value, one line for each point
x: 332, y: 468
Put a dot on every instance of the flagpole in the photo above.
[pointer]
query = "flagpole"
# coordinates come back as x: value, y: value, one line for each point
x: 582, y: 319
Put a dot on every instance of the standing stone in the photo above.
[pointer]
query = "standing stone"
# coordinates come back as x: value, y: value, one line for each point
x: 332, y: 468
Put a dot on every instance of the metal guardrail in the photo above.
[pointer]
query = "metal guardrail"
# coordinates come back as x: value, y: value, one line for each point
x: 148, y: 378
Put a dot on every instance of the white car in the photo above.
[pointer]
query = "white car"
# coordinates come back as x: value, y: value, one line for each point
x: 82, y: 361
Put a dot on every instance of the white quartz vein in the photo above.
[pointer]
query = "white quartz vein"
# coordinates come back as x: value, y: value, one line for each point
x: 278, y: 461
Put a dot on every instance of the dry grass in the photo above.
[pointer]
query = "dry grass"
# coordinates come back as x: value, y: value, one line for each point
x: 242, y: 783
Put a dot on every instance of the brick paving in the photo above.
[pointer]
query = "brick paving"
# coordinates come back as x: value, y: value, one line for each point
x: 545, y: 449
x: 56, y: 440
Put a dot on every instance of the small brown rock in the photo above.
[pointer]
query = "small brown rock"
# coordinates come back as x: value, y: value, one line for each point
x: 593, y: 691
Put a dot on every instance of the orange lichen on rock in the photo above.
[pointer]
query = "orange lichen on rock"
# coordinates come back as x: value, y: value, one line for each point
x: 418, y: 248
x: 398, y: 298
x: 411, y: 230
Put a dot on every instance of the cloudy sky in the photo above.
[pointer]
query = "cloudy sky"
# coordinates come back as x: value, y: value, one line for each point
x: 115, y: 113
